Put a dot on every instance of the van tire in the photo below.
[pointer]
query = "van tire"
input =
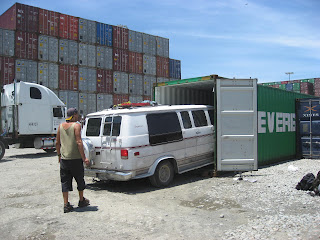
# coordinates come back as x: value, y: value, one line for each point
x: 163, y: 174
x: 2, y: 149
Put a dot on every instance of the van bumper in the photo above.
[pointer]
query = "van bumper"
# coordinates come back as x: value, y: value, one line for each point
x: 108, y: 174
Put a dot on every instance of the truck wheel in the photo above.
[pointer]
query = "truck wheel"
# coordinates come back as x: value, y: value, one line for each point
x: 2, y: 149
x: 163, y: 175
x: 49, y: 150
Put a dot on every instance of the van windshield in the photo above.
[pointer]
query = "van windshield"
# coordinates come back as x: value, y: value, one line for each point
x: 112, y: 129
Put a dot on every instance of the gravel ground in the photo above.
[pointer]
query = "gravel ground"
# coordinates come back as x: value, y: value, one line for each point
x: 264, y: 205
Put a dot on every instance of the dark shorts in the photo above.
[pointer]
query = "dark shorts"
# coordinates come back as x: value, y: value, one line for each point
x: 72, y: 169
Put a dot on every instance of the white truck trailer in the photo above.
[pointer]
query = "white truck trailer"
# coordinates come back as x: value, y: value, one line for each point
x: 30, y: 116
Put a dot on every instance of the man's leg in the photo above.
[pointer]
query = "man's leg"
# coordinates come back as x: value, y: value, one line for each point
x: 65, y: 197
x: 81, y: 196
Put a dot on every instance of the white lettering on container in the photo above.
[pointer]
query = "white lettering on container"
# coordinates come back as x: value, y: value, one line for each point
x: 270, y: 122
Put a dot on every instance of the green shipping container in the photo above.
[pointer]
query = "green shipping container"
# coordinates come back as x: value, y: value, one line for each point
x: 282, y: 86
x: 310, y: 80
x: 276, y: 124
x: 296, y: 87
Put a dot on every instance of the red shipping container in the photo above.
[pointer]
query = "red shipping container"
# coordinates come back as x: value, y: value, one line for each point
x: 145, y: 97
x: 49, y: 22
x: 120, y: 60
x: 135, y: 62
x: 120, y: 98
x: 7, y: 70
x: 69, y: 27
x: 26, y: 45
x: 104, y: 81
x: 20, y: 17
x: 68, y: 77
x: 120, y: 37
x: 162, y: 67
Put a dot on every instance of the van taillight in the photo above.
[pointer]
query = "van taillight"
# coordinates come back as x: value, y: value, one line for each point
x: 124, y: 154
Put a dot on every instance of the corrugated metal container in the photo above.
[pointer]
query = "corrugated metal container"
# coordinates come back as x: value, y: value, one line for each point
x: 68, y: 52
x: 7, y: 70
x: 68, y: 77
x: 284, y: 82
x: 316, y: 83
x: 69, y: 98
x: 120, y: 83
x: 135, y: 41
x: 87, y: 103
x: 104, y: 101
x: 135, y: 99
x: 87, y: 31
x: 104, y: 81
x: 120, y: 37
x: 48, y: 48
x: 310, y: 80
x: 87, y: 55
x: 69, y: 27
x: 149, y: 44
x: 48, y: 75
x: 120, y: 98
x: 289, y: 87
x: 148, y: 84
x: 149, y: 65
x: 162, y: 47
x: 7, y: 42
x: 120, y: 60
x: 135, y: 84
x: 26, y: 45
x: 296, y: 86
x: 276, y: 125
x: 147, y: 98
x: 26, y: 70
x: 282, y: 86
x: 21, y: 17
x: 162, y: 67
x: 104, y: 57
x: 49, y: 22
x: 135, y: 62
x: 175, y: 69
x: 162, y: 79
x: 87, y: 79
x: 104, y: 34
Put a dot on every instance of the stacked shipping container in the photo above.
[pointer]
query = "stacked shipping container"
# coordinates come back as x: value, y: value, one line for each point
x: 305, y: 86
x: 84, y: 61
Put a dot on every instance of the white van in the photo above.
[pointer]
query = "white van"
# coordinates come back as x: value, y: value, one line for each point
x: 151, y: 141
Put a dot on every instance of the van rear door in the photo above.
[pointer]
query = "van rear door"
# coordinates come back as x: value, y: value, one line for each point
x: 236, y: 129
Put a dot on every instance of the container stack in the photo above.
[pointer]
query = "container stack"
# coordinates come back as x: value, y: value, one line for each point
x: 305, y: 86
x: 89, y: 65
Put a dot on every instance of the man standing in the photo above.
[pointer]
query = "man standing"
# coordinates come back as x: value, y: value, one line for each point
x: 71, y: 157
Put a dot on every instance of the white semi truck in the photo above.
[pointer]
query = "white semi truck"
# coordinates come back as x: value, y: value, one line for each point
x: 30, y: 116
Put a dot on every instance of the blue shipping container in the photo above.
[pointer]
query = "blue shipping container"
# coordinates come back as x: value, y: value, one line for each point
x: 175, y: 69
x: 310, y: 150
x: 104, y: 34
x: 309, y: 109
x: 289, y: 87
x: 305, y: 129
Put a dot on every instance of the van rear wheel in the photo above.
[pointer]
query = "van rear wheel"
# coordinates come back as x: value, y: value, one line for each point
x: 163, y: 174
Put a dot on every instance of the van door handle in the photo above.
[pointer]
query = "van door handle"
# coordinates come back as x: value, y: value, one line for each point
x: 197, y: 132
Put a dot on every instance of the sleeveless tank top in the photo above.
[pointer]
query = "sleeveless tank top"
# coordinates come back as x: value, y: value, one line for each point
x: 69, y: 148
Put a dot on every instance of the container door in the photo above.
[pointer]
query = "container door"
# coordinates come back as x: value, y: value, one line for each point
x: 236, y: 124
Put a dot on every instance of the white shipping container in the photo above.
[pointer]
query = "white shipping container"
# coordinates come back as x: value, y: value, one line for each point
x: 135, y: 41
x: 104, y: 57
x: 120, y: 83
x: 83, y: 54
x: 104, y: 101
x: 26, y: 70
x: 48, y: 48
x: 148, y: 82
x: 149, y: 65
x: 87, y: 79
x: 92, y: 56
x: 149, y: 44
x: 7, y: 42
x: 68, y: 52
x: 135, y: 99
x: 162, y: 47
x: 87, y: 31
x: 48, y: 74
x: 69, y: 98
x: 135, y: 84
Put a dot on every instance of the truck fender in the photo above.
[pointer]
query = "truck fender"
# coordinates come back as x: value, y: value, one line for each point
x: 171, y: 158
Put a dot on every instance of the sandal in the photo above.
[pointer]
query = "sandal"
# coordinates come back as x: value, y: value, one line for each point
x: 85, y: 202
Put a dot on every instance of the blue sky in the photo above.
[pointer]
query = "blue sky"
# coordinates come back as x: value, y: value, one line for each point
x: 232, y: 38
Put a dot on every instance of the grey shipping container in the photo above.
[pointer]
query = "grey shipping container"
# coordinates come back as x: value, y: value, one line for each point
x: 87, y: 55
x: 120, y: 83
x: 149, y: 44
x: 162, y: 47
x: 69, y: 98
x: 6, y: 42
x: 148, y: 82
x: 149, y: 65
x: 135, y: 84
x: 135, y: 41
x: 87, y: 31
x: 104, y: 101
x: 26, y: 70
x: 162, y: 79
x: 48, y: 48
x: 87, y: 79
x: 87, y: 103
x: 48, y: 75
x: 104, y: 57
x: 68, y: 52
x: 135, y: 98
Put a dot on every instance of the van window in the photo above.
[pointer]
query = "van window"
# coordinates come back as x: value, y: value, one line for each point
x: 186, y: 119
x: 93, y: 127
x: 57, y: 112
x: 199, y: 118
x: 163, y: 128
x: 116, y: 126
x: 35, y: 93
x: 211, y: 115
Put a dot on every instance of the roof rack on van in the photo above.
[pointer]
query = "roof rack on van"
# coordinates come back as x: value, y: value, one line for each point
x: 129, y: 104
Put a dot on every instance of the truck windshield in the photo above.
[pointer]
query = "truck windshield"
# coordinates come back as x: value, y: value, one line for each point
x: 93, y: 127
x: 112, y: 129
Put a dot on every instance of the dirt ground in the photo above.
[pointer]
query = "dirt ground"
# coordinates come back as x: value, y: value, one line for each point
x: 195, y: 206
